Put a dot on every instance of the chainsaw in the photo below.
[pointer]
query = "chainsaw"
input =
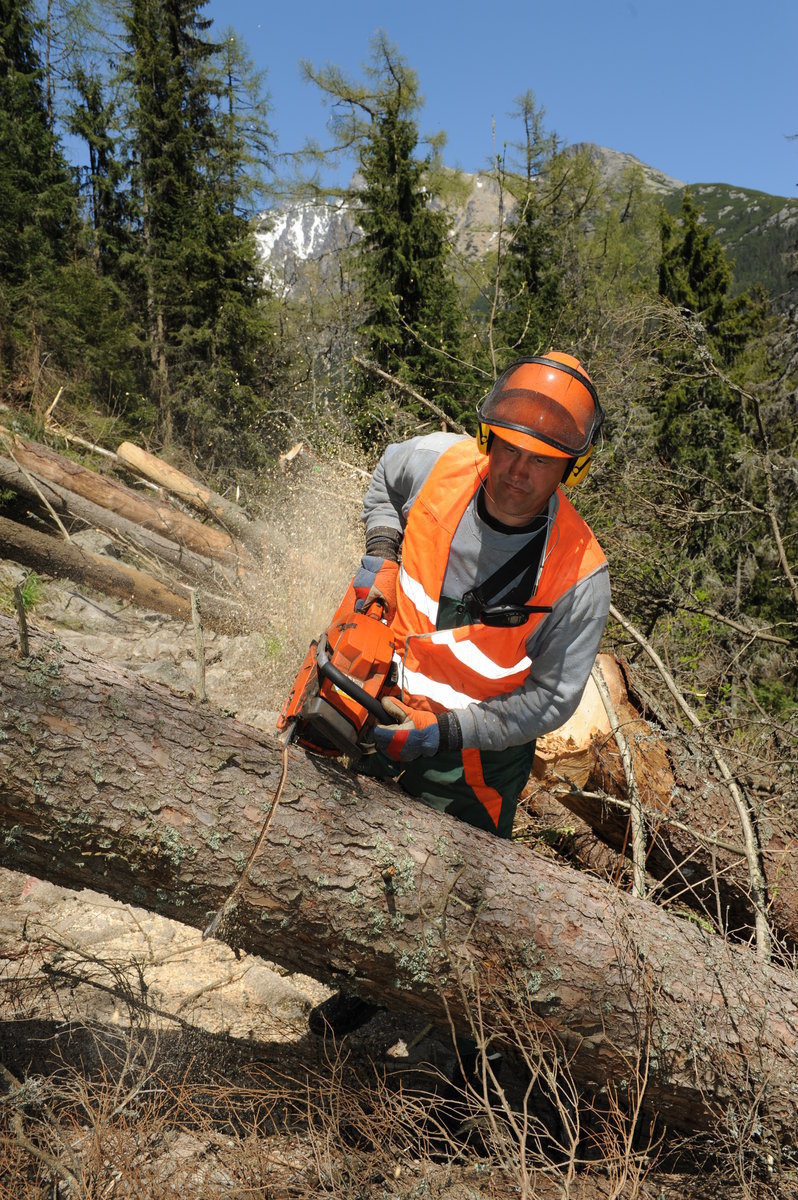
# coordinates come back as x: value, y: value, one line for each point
x: 334, y: 701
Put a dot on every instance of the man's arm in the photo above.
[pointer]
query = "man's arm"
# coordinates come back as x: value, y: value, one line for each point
x: 562, y: 655
x: 397, y: 480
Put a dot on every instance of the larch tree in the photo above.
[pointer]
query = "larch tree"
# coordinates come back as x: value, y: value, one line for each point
x: 528, y: 296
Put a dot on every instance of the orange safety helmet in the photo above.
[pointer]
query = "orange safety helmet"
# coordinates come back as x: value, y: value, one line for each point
x: 547, y: 405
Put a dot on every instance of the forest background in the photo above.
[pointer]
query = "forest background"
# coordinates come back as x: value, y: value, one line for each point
x: 134, y: 288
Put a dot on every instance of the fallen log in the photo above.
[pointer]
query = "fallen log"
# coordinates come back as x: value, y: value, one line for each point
x: 62, y: 559
x: 251, y: 534
x: 123, y: 787
x: 694, y: 843
x: 196, y: 568
x: 44, y: 463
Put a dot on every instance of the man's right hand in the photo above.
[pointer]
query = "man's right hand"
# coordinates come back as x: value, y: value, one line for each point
x: 374, y: 583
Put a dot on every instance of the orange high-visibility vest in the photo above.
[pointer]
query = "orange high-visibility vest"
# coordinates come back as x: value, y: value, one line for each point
x: 452, y: 668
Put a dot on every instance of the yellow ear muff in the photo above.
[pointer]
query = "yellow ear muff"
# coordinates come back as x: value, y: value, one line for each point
x: 577, y: 469
x: 483, y: 436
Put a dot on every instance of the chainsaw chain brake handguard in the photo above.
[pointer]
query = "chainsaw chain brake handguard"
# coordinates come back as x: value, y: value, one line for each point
x: 335, y: 697
x: 338, y: 679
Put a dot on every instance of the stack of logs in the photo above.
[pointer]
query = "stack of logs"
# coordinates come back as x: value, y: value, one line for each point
x: 182, y: 552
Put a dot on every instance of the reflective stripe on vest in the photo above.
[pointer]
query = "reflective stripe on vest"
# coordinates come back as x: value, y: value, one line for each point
x: 453, y: 668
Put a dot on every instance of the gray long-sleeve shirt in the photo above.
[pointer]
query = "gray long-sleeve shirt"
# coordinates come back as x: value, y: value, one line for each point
x: 563, y: 646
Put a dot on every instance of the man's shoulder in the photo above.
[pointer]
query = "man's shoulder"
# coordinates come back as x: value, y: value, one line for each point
x: 432, y: 443
x: 415, y: 458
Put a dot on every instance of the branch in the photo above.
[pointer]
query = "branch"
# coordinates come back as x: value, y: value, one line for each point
x: 405, y: 387
x: 635, y: 805
x: 756, y: 876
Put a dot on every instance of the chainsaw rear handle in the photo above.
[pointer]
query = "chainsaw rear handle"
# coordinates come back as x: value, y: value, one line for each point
x: 349, y: 687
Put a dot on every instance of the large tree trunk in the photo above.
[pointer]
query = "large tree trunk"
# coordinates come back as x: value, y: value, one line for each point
x: 694, y: 844
x: 123, y: 787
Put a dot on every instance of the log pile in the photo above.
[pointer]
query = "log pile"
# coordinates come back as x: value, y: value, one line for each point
x: 174, y: 553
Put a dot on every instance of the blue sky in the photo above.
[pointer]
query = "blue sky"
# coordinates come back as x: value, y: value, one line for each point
x: 704, y: 90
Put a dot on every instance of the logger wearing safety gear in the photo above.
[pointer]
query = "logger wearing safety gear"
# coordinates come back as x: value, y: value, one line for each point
x: 497, y: 624
x: 500, y: 603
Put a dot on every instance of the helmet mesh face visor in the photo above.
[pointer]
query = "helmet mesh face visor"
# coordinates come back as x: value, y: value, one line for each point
x: 567, y: 423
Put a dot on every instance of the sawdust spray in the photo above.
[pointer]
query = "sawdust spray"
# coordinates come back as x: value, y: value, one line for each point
x: 314, y: 544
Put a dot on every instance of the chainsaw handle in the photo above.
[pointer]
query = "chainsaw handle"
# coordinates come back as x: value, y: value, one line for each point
x: 349, y: 687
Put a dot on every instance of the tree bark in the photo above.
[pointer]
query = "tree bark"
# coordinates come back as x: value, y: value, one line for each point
x: 251, y: 534
x: 54, y: 556
x: 108, y: 493
x: 694, y: 842
x: 123, y: 787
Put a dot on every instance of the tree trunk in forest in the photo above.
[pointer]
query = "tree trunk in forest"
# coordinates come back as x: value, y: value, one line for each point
x: 160, y: 517
x: 125, y: 788
x: 57, y: 557
x: 694, y: 842
x: 251, y: 534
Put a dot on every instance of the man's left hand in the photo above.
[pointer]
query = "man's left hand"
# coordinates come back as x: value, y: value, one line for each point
x: 418, y: 734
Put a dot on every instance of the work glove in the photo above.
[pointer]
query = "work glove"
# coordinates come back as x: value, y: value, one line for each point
x: 417, y: 733
x: 376, y: 582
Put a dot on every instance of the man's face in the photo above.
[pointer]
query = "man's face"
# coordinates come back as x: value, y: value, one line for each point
x: 520, y: 482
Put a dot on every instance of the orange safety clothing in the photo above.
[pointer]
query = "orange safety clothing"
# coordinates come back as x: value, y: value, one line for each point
x: 451, y: 668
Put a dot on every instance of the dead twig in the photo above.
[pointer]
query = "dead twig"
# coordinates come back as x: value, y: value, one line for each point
x: 755, y: 873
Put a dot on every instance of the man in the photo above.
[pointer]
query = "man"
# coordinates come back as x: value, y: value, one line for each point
x: 499, y: 604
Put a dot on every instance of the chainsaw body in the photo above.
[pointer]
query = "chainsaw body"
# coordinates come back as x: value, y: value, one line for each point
x: 335, y: 696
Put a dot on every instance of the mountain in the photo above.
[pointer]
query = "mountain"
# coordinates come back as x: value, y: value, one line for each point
x: 759, y: 232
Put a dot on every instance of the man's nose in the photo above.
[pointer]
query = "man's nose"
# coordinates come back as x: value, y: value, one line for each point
x: 518, y: 469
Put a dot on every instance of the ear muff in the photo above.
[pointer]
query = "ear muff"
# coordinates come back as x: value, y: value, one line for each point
x: 484, y: 437
x: 577, y: 469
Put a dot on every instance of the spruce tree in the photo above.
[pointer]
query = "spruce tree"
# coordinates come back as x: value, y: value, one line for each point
x: 700, y: 420
x: 38, y: 216
x: 198, y: 280
x: 413, y: 326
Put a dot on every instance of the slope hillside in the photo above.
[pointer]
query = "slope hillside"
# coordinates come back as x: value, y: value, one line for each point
x: 759, y: 233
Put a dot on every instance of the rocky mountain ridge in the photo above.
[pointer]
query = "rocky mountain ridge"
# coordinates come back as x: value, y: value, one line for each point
x: 759, y: 232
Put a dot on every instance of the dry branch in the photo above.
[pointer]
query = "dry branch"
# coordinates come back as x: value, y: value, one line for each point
x: 128, y: 789
x: 758, y: 886
x: 695, y: 845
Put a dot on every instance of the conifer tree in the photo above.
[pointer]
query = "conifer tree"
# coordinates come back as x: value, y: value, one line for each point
x: 413, y: 323
x: 198, y: 280
x: 700, y: 420
x: 38, y: 213
x: 529, y: 294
